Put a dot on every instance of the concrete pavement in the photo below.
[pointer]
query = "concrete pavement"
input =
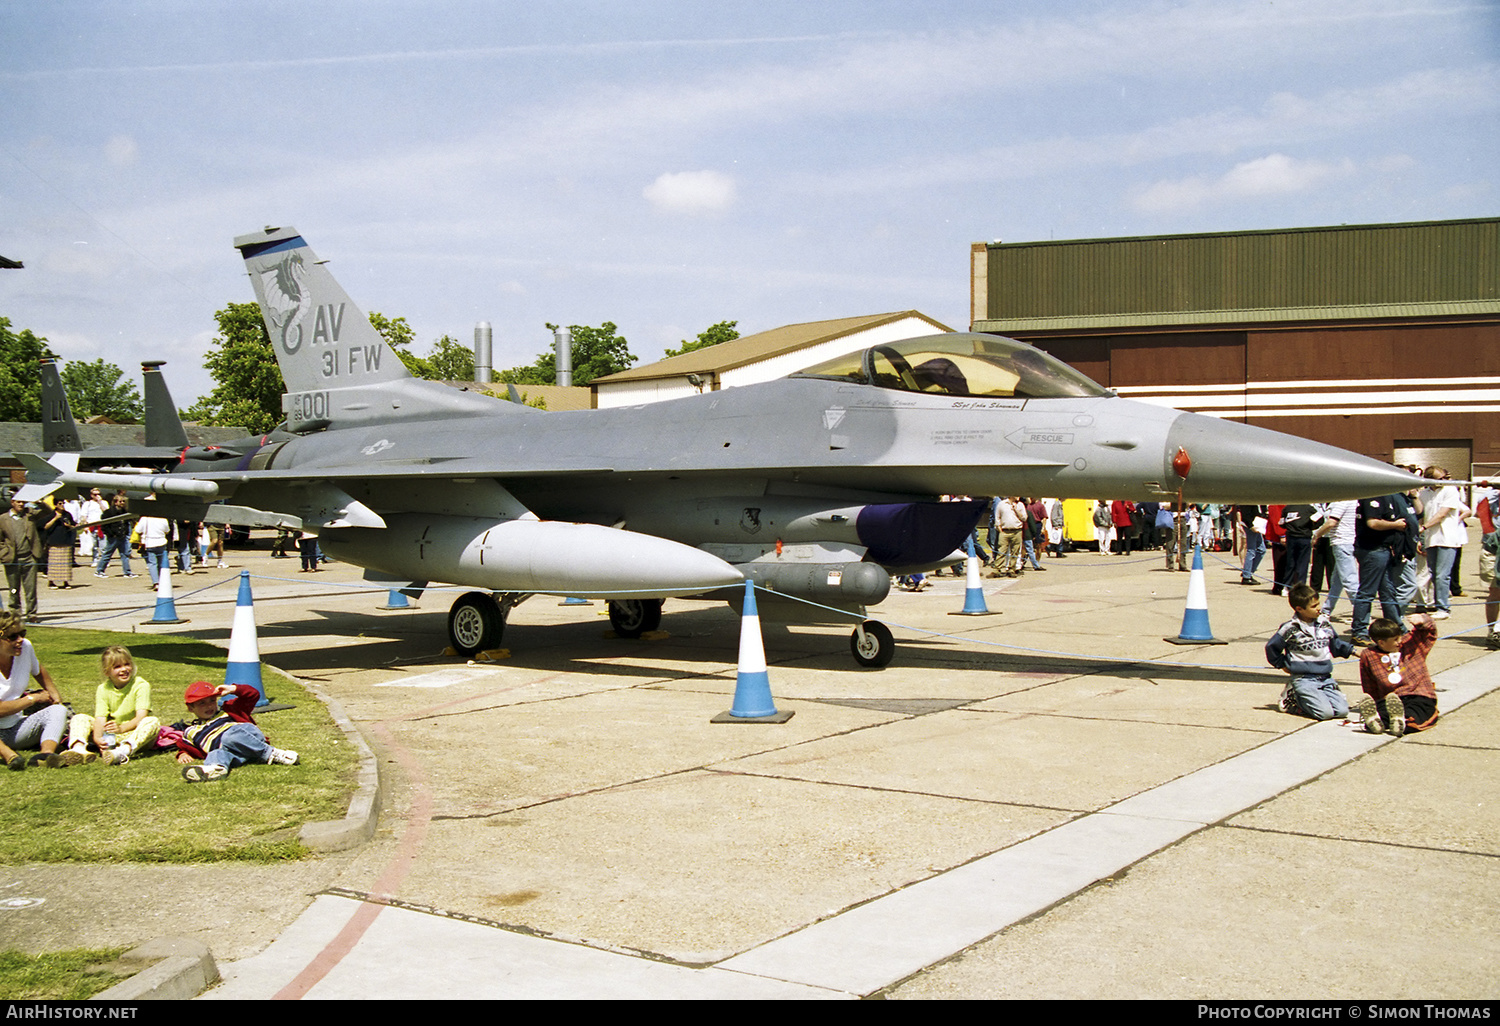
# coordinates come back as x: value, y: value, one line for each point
x: 1023, y: 805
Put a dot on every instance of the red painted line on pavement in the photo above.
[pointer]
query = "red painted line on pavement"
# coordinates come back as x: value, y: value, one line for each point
x: 417, y: 819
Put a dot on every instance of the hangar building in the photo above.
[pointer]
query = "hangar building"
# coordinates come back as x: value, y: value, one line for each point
x: 1383, y: 339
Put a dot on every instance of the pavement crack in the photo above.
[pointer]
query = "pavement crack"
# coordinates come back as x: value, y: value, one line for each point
x: 1362, y: 840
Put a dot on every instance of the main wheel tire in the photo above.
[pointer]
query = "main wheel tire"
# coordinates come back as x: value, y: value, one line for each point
x: 878, y: 646
x: 633, y: 617
x: 475, y: 623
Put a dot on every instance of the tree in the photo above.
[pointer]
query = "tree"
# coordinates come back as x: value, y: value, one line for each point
x: 724, y: 331
x: 96, y: 390
x: 20, y: 380
x: 596, y: 352
x: 248, y: 384
x: 451, y: 360
x: 399, y: 336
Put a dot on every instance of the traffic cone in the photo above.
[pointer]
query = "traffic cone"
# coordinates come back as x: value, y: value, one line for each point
x: 244, y: 647
x: 395, y: 599
x: 166, y: 608
x: 1195, y: 628
x: 973, y: 590
x: 752, y: 688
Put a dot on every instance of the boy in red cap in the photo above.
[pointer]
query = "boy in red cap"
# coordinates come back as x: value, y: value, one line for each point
x: 223, y: 738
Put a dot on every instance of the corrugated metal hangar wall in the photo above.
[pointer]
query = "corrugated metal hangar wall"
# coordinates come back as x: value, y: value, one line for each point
x: 1383, y: 339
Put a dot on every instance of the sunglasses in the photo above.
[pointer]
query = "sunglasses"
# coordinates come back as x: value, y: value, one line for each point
x: 17, y: 636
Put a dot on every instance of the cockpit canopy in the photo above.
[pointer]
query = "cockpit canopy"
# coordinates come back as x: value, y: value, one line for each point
x: 960, y: 364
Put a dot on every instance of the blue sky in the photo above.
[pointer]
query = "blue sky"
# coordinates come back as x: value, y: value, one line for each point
x: 667, y: 165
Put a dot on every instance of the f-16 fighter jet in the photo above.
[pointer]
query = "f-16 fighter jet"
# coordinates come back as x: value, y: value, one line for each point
x: 817, y: 486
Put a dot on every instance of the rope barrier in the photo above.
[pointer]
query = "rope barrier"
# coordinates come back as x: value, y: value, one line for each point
x: 963, y: 636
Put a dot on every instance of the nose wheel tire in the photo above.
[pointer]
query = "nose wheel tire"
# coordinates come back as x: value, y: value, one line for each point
x: 633, y: 617
x: 475, y: 623
x: 872, y: 644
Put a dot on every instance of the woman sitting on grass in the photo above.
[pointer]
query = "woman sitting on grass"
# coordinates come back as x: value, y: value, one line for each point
x: 28, y: 719
x: 122, y: 724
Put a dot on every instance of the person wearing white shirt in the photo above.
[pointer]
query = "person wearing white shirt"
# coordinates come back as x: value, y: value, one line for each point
x: 1443, y: 535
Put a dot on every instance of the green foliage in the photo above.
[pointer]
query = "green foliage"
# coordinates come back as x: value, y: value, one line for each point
x: 74, y: 975
x: 20, y: 380
x: 248, y: 385
x: 96, y: 390
x: 399, y: 336
x: 144, y: 811
x: 536, y: 402
x: 451, y: 360
x: 724, y: 331
x: 596, y: 352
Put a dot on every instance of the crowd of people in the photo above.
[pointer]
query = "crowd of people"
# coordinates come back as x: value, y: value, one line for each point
x: 53, y: 539
x: 1403, y: 551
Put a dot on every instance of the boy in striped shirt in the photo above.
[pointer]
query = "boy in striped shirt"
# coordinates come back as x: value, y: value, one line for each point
x: 223, y: 738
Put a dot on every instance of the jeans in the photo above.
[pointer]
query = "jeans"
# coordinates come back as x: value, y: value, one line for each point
x: 1440, y: 562
x: 1255, y: 551
x: 1320, y: 698
x: 111, y: 546
x: 241, y: 743
x: 1343, y: 577
x: 1031, y: 554
x: 156, y: 559
x: 1379, y: 572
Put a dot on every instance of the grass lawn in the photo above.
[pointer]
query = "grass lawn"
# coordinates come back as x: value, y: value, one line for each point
x: 144, y: 811
x: 75, y: 975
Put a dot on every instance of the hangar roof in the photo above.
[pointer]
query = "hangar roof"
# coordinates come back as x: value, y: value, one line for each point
x: 1421, y: 269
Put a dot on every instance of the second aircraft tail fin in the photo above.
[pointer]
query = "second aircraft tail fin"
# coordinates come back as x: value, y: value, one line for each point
x: 59, y: 432
x: 163, y: 425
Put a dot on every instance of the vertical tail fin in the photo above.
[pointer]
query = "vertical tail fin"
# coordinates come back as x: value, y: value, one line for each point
x: 163, y: 425
x: 59, y: 432
x: 322, y: 340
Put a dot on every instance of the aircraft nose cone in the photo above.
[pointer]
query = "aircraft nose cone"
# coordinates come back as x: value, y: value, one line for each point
x: 1234, y: 462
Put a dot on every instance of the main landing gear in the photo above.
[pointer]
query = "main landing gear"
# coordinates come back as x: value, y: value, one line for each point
x: 476, y: 621
x: 633, y: 617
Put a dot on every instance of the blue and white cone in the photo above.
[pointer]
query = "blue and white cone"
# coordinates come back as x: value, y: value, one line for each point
x: 395, y: 599
x: 973, y: 590
x: 166, y: 608
x: 244, y: 647
x: 752, y: 687
x: 1195, y: 628
x: 574, y: 600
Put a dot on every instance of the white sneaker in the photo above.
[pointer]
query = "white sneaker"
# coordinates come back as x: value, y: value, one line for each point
x: 281, y: 757
x: 199, y: 774
x: 118, y: 757
x: 1438, y: 614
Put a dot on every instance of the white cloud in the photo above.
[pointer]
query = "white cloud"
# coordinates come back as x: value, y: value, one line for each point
x: 121, y: 151
x: 1273, y: 175
x: 693, y: 193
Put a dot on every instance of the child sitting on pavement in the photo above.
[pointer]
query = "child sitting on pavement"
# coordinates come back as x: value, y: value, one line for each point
x: 223, y: 738
x: 122, y: 724
x: 1399, y: 694
x: 1304, y: 647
